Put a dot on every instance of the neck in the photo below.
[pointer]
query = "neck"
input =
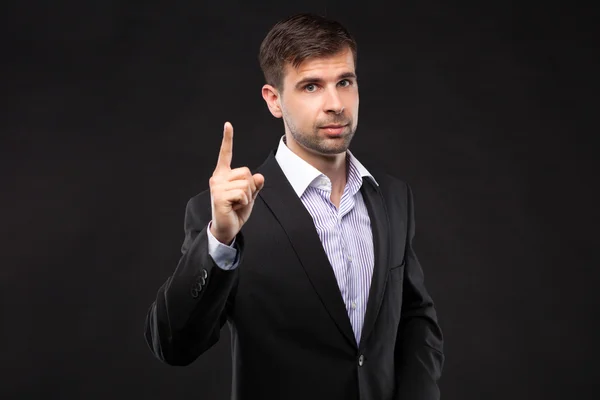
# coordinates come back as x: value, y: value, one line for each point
x: 334, y: 166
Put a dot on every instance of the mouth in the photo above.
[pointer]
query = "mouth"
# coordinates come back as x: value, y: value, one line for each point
x: 334, y: 130
x: 333, y: 126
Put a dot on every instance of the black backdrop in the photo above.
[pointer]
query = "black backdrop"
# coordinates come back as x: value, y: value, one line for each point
x: 112, y: 118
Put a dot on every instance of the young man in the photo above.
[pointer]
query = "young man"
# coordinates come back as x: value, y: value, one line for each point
x: 309, y: 260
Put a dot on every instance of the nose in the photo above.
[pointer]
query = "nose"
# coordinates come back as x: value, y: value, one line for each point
x: 333, y: 103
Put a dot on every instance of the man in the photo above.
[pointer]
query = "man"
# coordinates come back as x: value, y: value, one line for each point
x: 309, y: 260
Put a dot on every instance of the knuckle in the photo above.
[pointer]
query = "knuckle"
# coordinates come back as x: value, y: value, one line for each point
x: 216, y: 179
x: 231, y: 175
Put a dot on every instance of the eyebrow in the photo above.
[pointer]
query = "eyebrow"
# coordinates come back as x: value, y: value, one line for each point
x: 312, y: 79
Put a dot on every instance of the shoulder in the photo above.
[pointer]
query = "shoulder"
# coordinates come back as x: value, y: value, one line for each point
x: 200, y: 199
x: 388, y: 181
x: 198, y: 208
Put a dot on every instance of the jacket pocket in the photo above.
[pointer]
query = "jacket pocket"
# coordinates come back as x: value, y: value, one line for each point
x: 399, y: 265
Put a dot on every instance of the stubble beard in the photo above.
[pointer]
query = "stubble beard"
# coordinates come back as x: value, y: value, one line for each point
x: 317, y: 142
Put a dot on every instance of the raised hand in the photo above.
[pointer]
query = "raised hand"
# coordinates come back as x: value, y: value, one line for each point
x: 232, y: 192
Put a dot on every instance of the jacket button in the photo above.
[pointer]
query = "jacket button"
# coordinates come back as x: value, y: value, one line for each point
x: 361, y: 360
x: 194, y: 292
x: 204, y: 273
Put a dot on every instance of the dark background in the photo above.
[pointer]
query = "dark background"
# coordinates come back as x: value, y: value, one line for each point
x: 112, y: 119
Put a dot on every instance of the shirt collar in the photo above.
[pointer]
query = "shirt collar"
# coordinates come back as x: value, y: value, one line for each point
x: 301, y: 174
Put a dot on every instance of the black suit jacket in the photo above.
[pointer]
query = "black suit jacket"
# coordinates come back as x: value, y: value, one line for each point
x: 291, y: 335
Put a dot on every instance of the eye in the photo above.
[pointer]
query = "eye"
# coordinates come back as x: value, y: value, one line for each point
x: 309, y: 86
x: 348, y: 83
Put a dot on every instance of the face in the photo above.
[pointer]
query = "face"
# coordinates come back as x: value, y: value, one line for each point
x: 321, y: 92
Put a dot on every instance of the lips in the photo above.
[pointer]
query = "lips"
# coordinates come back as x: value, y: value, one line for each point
x: 334, y: 130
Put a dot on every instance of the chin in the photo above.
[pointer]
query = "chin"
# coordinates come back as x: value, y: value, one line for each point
x: 335, y: 150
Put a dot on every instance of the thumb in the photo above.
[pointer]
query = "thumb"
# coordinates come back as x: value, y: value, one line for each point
x: 259, y: 181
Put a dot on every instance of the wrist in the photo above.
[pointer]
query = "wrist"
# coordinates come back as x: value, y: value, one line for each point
x: 221, y: 238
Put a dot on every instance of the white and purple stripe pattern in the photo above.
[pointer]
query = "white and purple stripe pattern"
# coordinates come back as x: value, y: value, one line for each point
x: 347, y: 239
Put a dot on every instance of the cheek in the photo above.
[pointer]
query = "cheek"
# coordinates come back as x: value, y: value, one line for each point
x: 356, y: 101
x: 308, y: 111
x: 351, y: 98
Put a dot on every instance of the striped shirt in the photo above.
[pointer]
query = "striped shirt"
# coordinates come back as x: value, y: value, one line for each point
x: 345, y: 232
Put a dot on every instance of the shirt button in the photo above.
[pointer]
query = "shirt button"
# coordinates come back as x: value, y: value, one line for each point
x: 361, y: 360
x: 353, y: 305
x: 349, y: 258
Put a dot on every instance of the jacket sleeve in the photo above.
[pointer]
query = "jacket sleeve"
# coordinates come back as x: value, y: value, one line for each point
x: 419, y: 353
x: 225, y: 256
x: 191, y: 307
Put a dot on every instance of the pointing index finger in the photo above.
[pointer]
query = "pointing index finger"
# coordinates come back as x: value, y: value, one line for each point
x: 226, y: 152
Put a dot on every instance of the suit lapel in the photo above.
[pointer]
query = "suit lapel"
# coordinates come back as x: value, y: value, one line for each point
x: 297, y: 222
x: 381, y: 247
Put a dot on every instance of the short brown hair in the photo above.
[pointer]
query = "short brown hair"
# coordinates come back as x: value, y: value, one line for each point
x: 298, y: 38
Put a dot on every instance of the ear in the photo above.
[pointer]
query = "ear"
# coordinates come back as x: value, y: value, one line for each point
x: 271, y: 96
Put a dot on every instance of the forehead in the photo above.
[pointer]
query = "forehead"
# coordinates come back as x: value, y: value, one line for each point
x: 327, y: 66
